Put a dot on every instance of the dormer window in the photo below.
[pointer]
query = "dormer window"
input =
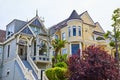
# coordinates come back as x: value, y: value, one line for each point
x: 10, y: 31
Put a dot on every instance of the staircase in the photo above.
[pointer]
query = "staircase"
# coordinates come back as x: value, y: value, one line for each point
x: 27, y: 65
x: 29, y: 69
x: 27, y: 73
x: 20, y: 71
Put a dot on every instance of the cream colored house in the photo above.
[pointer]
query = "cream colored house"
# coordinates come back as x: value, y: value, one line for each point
x: 79, y: 31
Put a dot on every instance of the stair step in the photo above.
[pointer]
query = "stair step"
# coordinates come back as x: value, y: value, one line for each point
x: 27, y: 65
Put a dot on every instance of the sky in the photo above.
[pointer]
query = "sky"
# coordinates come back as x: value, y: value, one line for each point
x: 54, y: 11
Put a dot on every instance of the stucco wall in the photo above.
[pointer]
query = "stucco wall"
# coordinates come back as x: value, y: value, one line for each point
x: 12, y: 52
x: 14, y: 70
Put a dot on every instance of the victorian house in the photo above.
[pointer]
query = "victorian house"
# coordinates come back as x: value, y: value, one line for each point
x: 80, y: 31
x: 25, y: 50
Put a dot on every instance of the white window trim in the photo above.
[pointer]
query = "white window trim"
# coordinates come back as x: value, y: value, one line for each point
x: 80, y: 29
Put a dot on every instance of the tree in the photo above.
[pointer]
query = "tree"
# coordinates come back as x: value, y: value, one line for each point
x: 58, y: 44
x: 116, y: 36
x: 95, y: 64
x: 116, y: 25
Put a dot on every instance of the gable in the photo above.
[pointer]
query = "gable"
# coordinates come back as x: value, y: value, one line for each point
x: 98, y: 28
x: 27, y: 31
x: 36, y: 22
x: 86, y: 18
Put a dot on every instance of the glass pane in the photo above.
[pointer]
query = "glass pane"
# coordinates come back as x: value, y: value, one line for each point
x: 74, y: 31
x: 75, y: 48
x: 79, y: 31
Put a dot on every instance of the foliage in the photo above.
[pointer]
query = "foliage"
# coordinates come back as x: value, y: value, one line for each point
x: 61, y: 64
x: 60, y: 58
x: 60, y: 73
x: 50, y: 74
x: 58, y: 44
x: 116, y: 18
x: 115, y: 36
x: 95, y: 64
x: 56, y: 73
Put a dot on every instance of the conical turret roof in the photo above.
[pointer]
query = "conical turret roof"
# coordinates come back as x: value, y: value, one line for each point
x: 74, y: 15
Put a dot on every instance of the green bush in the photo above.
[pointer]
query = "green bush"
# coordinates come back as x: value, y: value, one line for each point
x: 61, y: 65
x: 56, y: 73
x: 60, y: 73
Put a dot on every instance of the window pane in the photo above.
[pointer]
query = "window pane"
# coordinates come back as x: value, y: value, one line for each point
x: 64, y: 51
x: 74, y: 48
x: 74, y: 31
x: 56, y: 36
x: 69, y: 31
x: 79, y: 31
x: 8, y: 50
x: 63, y: 36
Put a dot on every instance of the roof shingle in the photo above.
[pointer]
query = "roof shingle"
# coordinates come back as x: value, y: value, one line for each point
x: 2, y: 36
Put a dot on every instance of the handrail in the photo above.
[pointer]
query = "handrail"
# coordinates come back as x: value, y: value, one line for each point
x: 22, y: 66
x: 28, y: 74
x: 35, y: 68
x: 44, y: 76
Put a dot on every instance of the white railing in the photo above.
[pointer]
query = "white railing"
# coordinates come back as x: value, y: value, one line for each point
x: 44, y: 76
x: 35, y: 68
x: 28, y: 74
x: 42, y: 58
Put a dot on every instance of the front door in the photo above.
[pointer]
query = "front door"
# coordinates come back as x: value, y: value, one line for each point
x: 74, y: 48
x: 22, y: 52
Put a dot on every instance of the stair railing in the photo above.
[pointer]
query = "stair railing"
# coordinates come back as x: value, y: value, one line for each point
x: 44, y: 76
x: 28, y: 74
x: 35, y: 68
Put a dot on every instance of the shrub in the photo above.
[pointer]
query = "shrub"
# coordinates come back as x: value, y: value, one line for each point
x: 50, y: 74
x: 95, y: 64
x: 61, y: 64
x: 56, y: 73
x: 60, y: 73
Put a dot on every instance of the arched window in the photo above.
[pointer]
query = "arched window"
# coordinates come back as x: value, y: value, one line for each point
x: 43, y: 48
x: 69, y: 31
x: 74, y: 30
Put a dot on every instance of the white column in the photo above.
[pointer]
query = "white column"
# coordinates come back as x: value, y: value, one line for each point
x: 80, y: 48
x: 70, y: 49
x: 37, y: 49
x: 17, y: 41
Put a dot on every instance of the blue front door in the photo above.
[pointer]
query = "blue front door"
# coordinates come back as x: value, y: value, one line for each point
x: 74, y: 48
